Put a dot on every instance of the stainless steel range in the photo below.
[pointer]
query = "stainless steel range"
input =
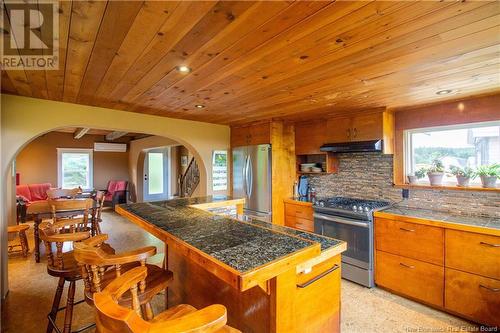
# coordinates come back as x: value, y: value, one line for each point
x: 350, y: 220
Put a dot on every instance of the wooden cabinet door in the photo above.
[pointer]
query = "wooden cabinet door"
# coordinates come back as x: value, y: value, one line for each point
x: 474, y: 253
x: 259, y: 134
x: 473, y: 296
x: 309, y: 137
x: 338, y: 130
x: 411, y: 240
x: 239, y: 136
x: 367, y: 127
x: 413, y: 278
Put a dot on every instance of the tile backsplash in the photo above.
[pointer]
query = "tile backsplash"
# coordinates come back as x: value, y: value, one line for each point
x: 369, y: 176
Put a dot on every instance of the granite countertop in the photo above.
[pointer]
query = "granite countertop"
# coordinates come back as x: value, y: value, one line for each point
x: 445, y: 217
x: 243, y: 246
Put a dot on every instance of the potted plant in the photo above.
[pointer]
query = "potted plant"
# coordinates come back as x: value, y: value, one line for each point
x: 464, y: 175
x: 420, y: 173
x: 489, y: 174
x: 436, y: 172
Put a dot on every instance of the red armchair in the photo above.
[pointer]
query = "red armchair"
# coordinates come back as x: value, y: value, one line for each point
x: 116, y: 193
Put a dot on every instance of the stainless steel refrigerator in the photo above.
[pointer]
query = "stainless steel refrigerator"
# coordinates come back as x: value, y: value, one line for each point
x: 252, y: 178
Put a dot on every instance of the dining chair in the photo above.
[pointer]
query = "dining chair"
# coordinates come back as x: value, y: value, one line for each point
x: 111, y: 316
x: 77, y: 210
x: 56, y: 193
x: 100, y: 266
x: 62, y: 265
x: 99, y: 200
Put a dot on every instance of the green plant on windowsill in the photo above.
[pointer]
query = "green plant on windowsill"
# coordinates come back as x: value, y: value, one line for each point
x: 436, y: 172
x: 419, y: 174
x: 489, y: 174
x: 464, y: 175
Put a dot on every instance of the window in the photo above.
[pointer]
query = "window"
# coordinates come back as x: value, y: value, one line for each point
x: 74, y: 168
x: 219, y: 170
x: 468, y: 145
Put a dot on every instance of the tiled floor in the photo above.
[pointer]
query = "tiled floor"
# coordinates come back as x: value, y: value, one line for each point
x: 363, y: 310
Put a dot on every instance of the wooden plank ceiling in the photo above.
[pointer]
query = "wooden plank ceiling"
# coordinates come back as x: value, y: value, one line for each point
x: 259, y: 60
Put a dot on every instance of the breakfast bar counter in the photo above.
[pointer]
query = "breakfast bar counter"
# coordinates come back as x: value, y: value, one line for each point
x: 271, y: 278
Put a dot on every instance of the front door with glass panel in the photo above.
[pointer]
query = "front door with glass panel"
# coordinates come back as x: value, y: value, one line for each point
x: 156, y: 174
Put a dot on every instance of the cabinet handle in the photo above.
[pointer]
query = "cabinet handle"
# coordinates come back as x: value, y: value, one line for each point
x: 355, y: 131
x: 316, y: 278
x: 495, y: 290
x: 489, y: 244
x: 409, y: 230
x: 407, y: 266
x: 348, y: 133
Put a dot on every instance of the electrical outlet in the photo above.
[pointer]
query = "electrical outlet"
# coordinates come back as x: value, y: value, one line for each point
x: 405, y: 193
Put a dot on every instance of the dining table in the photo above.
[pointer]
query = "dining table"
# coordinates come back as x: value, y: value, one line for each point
x: 41, y: 210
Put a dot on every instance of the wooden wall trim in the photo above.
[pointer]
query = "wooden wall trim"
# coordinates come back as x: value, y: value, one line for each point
x: 471, y: 110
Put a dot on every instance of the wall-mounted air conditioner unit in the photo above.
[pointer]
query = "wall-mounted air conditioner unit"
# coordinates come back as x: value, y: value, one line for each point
x: 110, y: 147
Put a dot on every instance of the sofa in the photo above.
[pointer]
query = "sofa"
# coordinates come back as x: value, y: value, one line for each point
x: 26, y: 194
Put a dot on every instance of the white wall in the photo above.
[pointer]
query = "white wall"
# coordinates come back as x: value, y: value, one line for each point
x: 23, y: 119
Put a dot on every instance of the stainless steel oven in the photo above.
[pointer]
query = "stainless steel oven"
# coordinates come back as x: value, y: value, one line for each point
x: 357, y: 261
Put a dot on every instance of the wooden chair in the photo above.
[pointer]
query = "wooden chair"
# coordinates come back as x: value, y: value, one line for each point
x: 77, y: 210
x: 62, y: 265
x: 23, y: 241
x: 99, y: 198
x: 100, y: 267
x: 113, y: 317
x: 56, y: 193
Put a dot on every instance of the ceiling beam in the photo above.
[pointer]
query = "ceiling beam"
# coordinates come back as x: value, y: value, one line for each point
x: 80, y: 132
x: 115, y: 135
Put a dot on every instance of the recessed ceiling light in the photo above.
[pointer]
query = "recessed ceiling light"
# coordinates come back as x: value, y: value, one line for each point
x: 183, y: 69
x: 199, y: 106
x: 444, y: 92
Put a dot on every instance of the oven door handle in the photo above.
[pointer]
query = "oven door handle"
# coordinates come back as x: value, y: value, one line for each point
x: 341, y: 220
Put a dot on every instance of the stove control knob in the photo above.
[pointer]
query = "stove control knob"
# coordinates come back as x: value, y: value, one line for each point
x: 321, y: 203
x: 360, y: 208
x: 367, y: 209
x: 354, y: 208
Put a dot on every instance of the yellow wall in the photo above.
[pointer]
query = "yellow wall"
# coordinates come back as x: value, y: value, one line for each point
x: 24, y: 119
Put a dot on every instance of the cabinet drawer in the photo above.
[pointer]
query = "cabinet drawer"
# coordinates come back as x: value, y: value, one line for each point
x: 473, y: 296
x: 414, y: 278
x: 304, y: 212
x: 474, y: 253
x: 299, y: 223
x: 411, y: 240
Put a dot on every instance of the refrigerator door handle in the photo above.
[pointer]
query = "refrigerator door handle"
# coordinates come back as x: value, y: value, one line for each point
x: 245, y: 185
x: 250, y: 176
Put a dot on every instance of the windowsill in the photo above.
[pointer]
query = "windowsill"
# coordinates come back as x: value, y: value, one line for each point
x: 446, y: 187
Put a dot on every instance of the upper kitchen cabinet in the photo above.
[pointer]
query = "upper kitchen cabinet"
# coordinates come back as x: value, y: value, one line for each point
x: 309, y: 136
x: 362, y: 127
x: 249, y: 135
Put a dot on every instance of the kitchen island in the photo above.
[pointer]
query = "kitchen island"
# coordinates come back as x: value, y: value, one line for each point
x: 270, y: 278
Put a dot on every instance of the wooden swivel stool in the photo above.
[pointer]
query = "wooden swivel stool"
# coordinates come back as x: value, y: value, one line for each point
x: 63, y: 265
x: 111, y: 317
x: 23, y: 241
x: 100, y: 267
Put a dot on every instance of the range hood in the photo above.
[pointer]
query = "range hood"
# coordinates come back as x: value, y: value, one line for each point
x: 354, y: 146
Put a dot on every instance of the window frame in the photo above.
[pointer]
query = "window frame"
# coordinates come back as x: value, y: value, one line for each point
x: 408, y: 158
x: 61, y: 151
x: 221, y: 152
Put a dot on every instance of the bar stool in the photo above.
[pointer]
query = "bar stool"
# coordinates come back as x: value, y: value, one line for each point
x: 100, y: 266
x: 23, y: 241
x: 63, y: 265
x: 113, y: 317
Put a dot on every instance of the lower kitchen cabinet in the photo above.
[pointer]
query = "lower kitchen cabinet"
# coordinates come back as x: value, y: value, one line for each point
x: 472, y: 296
x: 413, y: 278
x: 299, y: 215
x: 455, y: 270
x: 472, y: 252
